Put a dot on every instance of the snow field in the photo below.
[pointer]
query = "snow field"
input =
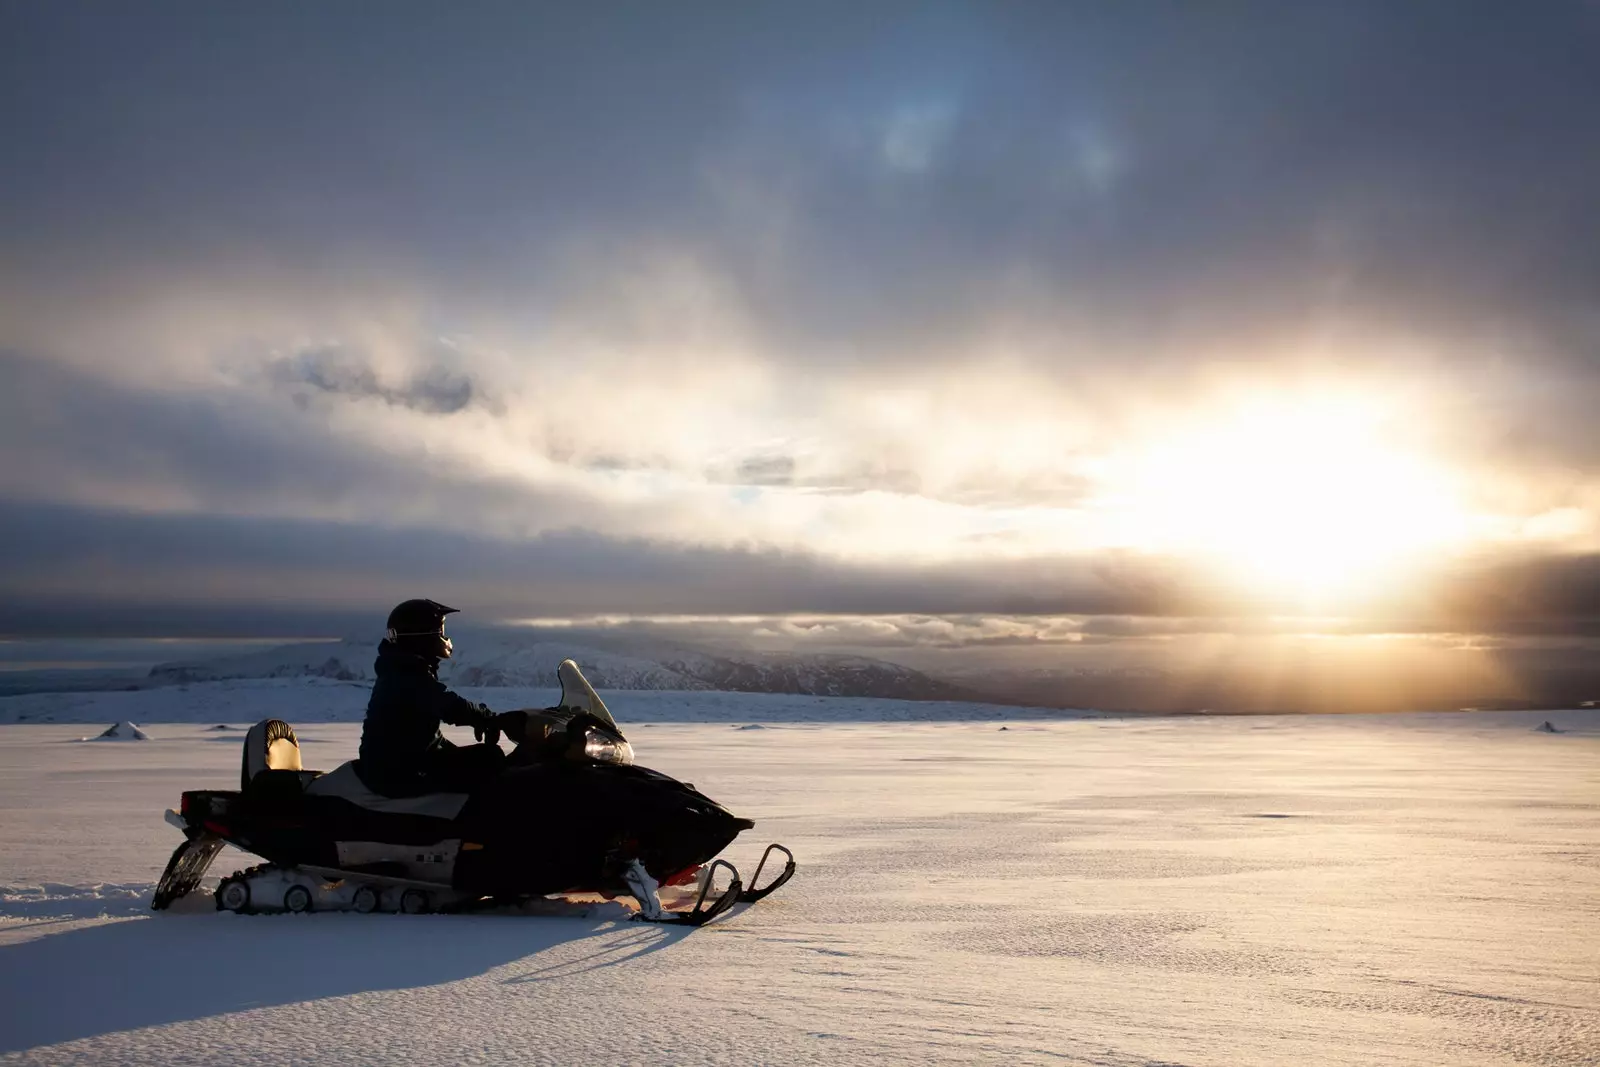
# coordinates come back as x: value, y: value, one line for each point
x: 1396, y: 889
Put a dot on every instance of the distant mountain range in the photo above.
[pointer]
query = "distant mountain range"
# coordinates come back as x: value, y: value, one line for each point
x: 505, y: 661
x: 517, y: 659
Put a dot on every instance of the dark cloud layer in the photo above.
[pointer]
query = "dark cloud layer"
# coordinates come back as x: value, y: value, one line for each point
x: 76, y: 556
x: 80, y: 570
x: 435, y: 390
x: 230, y: 451
x: 929, y: 167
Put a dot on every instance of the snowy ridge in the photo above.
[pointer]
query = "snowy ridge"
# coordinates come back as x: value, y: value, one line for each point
x: 320, y: 699
x: 503, y: 663
x: 499, y: 662
x: 342, y: 661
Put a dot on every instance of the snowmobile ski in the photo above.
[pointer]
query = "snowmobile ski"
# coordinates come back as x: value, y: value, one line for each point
x: 651, y: 911
x: 753, y: 894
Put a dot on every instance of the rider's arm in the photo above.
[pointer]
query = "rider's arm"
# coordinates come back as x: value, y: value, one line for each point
x: 457, y: 710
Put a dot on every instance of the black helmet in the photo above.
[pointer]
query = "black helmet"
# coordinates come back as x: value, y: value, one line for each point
x: 418, y: 627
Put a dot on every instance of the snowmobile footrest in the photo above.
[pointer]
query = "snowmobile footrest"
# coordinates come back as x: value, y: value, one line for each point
x: 754, y: 893
x: 185, y: 869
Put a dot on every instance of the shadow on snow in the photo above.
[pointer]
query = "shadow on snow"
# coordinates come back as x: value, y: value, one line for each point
x: 159, y: 969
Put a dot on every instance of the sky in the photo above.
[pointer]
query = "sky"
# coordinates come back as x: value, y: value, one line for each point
x: 1013, y: 322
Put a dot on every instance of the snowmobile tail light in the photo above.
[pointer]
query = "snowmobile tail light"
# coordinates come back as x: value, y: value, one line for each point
x: 603, y: 749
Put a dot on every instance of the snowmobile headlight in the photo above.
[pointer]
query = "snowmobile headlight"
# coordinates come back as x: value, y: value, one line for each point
x: 602, y: 749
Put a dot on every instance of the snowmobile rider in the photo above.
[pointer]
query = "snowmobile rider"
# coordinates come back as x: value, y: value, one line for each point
x: 402, y: 751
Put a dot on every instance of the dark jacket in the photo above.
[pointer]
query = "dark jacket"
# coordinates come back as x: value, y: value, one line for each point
x: 400, y: 738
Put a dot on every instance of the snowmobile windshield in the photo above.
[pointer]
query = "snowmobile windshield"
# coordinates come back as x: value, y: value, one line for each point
x: 602, y: 749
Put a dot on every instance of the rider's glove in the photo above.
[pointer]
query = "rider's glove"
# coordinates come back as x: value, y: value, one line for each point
x: 486, y: 729
x: 514, y: 724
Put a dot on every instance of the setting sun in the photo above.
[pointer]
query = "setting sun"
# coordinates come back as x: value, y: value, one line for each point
x: 1303, y: 496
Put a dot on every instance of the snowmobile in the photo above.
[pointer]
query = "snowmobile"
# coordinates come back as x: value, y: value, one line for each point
x: 571, y: 814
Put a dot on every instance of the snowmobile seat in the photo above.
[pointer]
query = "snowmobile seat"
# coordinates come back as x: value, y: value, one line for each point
x: 277, y: 789
x: 271, y: 766
x: 344, y: 782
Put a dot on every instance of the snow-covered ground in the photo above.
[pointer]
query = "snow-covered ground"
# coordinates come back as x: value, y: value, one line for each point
x: 1397, y: 890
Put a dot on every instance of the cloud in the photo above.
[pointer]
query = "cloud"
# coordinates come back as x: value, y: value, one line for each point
x: 230, y: 447
x: 63, y: 563
x: 72, y: 554
x: 335, y: 371
x: 842, y: 302
x: 1110, y: 177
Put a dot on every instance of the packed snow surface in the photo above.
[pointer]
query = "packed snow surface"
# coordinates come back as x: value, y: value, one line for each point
x: 1409, y: 890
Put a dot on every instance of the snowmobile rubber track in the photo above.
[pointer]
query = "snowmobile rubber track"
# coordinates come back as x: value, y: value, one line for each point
x: 301, y: 889
x: 234, y: 893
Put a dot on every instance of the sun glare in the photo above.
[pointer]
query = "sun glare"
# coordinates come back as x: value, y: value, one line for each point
x: 1305, y: 498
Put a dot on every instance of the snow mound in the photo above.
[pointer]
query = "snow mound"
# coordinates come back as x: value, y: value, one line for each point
x: 122, y: 731
x: 53, y: 900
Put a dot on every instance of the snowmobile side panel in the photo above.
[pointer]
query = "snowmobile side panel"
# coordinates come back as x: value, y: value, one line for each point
x: 335, y: 874
x: 547, y: 828
x: 433, y: 863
